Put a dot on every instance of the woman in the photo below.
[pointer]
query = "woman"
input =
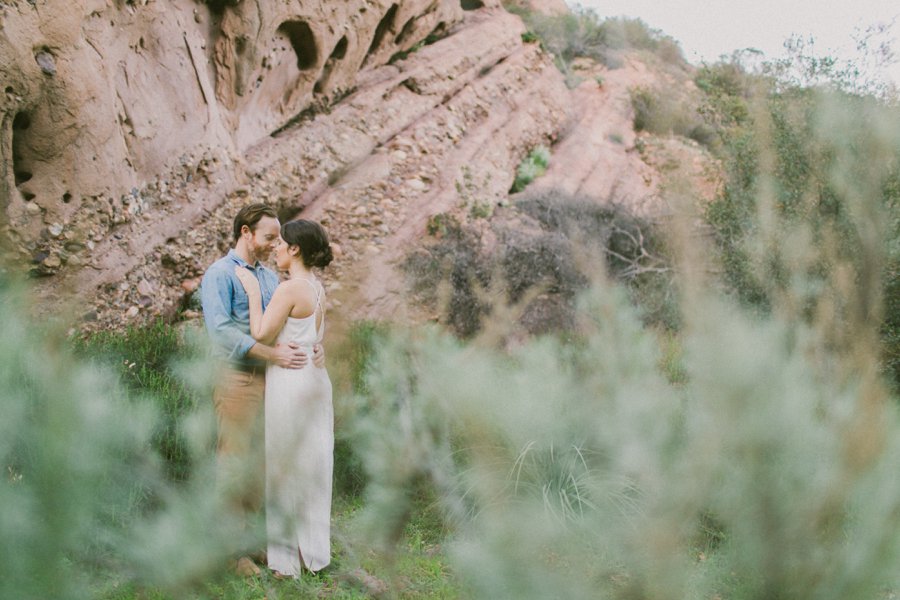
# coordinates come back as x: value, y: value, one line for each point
x: 298, y: 412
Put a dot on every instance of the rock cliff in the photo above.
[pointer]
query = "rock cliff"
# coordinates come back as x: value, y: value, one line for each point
x: 105, y: 100
x: 133, y: 130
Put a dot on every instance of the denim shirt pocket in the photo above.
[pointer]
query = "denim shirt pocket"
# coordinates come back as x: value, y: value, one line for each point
x: 241, y: 302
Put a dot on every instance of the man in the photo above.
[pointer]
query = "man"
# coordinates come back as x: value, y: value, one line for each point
x: 238, y: 395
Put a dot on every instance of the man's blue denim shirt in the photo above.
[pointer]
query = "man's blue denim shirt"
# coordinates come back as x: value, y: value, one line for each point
x: 226, y: 310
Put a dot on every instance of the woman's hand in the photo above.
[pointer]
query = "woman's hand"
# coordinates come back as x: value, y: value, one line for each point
x: 248, y: 280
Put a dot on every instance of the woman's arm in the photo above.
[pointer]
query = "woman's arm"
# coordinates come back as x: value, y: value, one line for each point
x: 264, y: 326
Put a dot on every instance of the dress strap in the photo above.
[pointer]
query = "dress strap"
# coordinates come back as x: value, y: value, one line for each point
x: 317, y: 289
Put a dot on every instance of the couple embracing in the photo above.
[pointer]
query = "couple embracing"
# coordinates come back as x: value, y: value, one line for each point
x: 268, y: 335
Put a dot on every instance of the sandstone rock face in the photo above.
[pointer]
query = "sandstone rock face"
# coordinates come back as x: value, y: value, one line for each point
x: 107, y: 104
x: 132, y: 133
x: 439, y: 130
x: 597, y: 159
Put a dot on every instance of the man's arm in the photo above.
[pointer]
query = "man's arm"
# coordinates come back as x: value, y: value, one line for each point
x: 216, y: 298
x: 215, y: 295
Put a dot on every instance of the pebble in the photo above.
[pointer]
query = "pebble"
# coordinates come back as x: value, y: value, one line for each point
x: 416, y: 184
x: 46, y: 63
x: 145, y: 288
x: 132, y: 312
x: 32, y: 209
x: 52, y: 262
x: 55, y: 229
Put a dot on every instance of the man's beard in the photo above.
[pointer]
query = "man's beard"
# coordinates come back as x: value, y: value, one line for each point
x: 260, y: 255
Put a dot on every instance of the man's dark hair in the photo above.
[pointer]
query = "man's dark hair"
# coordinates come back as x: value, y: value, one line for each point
x: 250, y: 216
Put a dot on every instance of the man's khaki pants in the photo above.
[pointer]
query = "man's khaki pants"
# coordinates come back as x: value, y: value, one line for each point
x: 238, y: 399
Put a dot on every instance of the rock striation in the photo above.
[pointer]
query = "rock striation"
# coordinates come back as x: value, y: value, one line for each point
x: 435, y: 129
x: 108, y: 103
x: 132, y: 132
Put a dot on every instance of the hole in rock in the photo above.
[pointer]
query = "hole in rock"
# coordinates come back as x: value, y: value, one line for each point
x: 303, y: 42
x: 67, y: 197
x: 21, y: 177
x: 21, y: 121
x: 472, y: 4
x: 21, y: 170
x: 340, y: 50
x: 406, y: 31
x: 385, y: 25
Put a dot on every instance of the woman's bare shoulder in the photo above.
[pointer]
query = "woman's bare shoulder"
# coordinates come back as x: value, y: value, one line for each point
x: 303, y: 295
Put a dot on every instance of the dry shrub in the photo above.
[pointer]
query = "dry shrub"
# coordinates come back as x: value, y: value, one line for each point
x: 551, y: 245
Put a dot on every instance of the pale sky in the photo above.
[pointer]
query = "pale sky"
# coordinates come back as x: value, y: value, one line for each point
x: 709, y: 28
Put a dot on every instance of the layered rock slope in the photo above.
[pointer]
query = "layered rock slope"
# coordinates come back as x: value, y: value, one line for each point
x: 129, y: 152
x: 107, y: 102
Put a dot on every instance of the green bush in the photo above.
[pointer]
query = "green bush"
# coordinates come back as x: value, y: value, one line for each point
x: 663, y: 113
x: 575, y: 469
x: 532, y: 166
x: 581, y: 33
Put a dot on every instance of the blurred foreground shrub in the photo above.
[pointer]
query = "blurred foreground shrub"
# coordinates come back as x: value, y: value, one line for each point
x: 576, y: 470
x: 85, y: 499
x: 151, y: 361
x: 807, y: 168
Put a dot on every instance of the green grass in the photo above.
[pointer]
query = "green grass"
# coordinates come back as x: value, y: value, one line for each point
x: 147, y: 360
x: 419, y: 569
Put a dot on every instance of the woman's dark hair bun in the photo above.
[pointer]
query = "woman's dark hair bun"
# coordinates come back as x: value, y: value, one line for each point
x: 310, y: 237
x: 322, y: 258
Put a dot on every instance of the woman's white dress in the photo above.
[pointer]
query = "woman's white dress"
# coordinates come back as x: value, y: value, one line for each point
x: 299, y: 455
